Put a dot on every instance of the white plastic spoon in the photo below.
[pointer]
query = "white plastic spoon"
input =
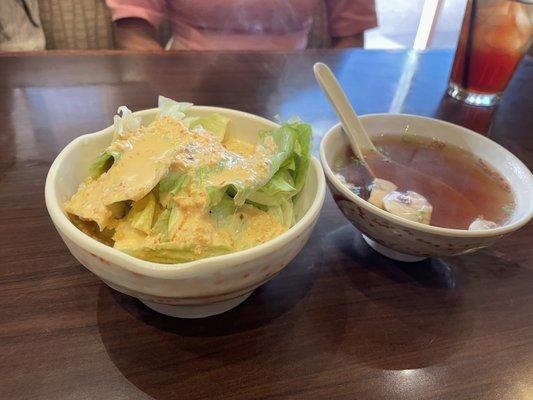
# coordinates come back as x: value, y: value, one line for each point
x: 380, y: 166
x: 357, y: 136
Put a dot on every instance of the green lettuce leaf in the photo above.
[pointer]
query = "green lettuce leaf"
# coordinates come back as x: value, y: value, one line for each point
x: 175, y: 219
x: 215, y: 195
x: 161, y: 224
x: 171, y: 108
x: 125, y: 122
x: 283, y: 212
x: 289, y: 165
x: 302, y: 152
x: 167, y: 251
x: 103, y: 162
x: 216, y: 124
x: 171, y: 184
x: 230, y: 206
x: 280, y: 187
x: 142, y: 212
x: 119, y: 209
x: 224, y: 216
x: 175, y: 252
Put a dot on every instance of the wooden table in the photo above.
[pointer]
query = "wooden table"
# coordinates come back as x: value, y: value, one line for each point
x: 340, y: 322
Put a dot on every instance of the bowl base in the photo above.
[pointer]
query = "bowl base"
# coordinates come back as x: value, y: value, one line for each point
x: 387, y: 252
x: 195, y: 311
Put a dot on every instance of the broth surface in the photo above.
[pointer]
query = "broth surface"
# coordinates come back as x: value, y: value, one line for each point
x: 488, y: 192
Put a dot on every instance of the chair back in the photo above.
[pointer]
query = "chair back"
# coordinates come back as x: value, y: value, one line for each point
x: 76, y: 24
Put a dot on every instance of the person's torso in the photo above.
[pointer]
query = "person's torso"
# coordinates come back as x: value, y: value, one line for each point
x: 241, y: 23
x: 246, y: 16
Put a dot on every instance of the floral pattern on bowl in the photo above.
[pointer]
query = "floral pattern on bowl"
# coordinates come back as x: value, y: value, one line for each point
x: 410, y: 241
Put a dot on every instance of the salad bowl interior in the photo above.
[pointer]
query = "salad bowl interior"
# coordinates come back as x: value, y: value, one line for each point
x: 191, y: 289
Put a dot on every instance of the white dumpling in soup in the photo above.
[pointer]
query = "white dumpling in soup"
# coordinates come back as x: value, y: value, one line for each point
x: 480, y: 224
x: 379, y: 189
x: 409, y: 205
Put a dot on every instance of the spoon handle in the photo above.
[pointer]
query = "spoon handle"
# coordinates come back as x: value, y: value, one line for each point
x: 359, y: 140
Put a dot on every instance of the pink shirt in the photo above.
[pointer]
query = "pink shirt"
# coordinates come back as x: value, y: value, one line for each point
x: 246, y: 24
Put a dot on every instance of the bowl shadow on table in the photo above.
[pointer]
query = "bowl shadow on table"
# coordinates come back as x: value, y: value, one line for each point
x: 411, y: 315
x: 175, y: 358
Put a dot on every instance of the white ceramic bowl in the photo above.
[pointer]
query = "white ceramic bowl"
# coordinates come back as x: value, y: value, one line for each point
x: 193, y: 289
x: 411, y: 241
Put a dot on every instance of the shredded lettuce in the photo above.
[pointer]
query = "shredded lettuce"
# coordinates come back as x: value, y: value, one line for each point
x: 289, y: 165
x: 216, y: 124
x: 142, y: 213
x: 125, y: 122
x: 172, y: 184
x: 293, y: 140
x: 157, y: 225
x: 302, y: 152
x: 280, y: 187
x: 119, y: 209
x: 283, y: 212
x: 161, y: 225
x: 103, y: 162
x: 224, y: 215
x: 176, y: 252
x: 171, y: 108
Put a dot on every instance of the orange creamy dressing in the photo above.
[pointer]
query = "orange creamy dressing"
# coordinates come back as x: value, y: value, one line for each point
x: 147, y: 156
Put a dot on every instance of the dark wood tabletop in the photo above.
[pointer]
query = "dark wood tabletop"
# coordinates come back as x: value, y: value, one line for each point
x: 340, y: 322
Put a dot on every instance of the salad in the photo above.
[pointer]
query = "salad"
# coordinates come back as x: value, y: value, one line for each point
x: 182, y: 188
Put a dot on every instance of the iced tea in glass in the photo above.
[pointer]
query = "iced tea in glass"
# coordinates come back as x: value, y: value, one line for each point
x: 494, y: 37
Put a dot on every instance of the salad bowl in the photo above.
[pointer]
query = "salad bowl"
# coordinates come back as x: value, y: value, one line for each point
x: 192, y: 289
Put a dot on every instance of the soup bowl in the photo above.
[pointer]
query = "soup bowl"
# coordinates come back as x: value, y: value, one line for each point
x: 405, y: 240
x: 192, y: 289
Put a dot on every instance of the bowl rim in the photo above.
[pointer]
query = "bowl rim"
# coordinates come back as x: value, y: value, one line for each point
x: 417, y: 225
x: 178, y: 270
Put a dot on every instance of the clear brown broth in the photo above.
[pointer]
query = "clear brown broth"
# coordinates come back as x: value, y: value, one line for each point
x: 488, y: 192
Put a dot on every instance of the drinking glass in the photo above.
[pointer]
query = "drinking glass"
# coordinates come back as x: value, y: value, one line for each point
x: 494, y: 37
